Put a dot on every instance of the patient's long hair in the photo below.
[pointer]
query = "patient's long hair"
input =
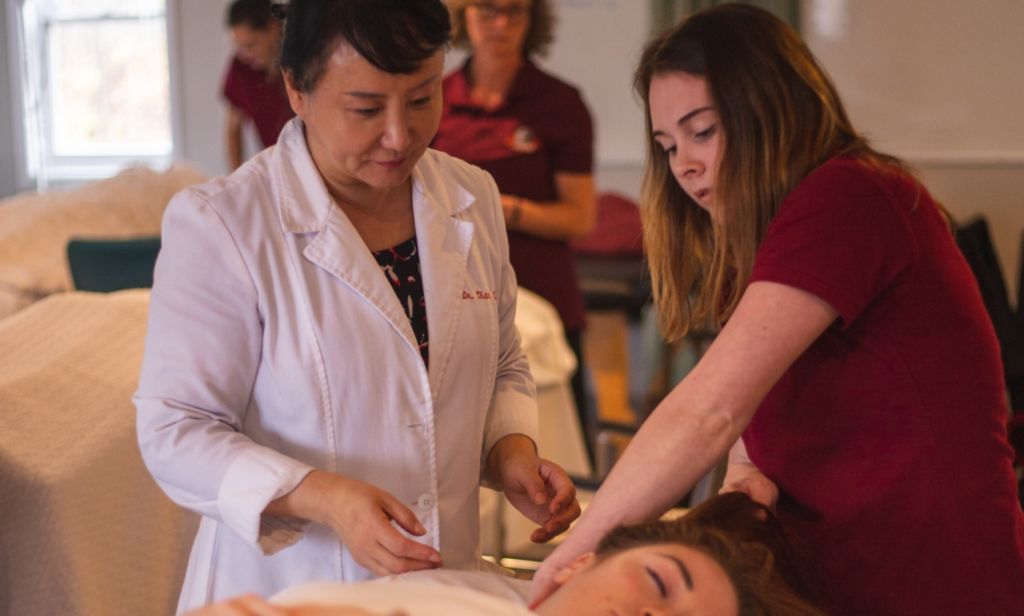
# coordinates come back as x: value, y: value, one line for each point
x: 746, y: 541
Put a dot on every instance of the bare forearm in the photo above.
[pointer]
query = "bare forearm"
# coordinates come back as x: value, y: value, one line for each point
x: 553, y: 220
x: 233, y: 137
x: 660, y: 465
x: 571, y: 216
x: 234, y: 142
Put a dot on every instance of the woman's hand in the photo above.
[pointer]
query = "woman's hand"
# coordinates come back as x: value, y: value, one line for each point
x: 746, y: 478
x: 743, y: 476
x: 361, y: 514
x: 538, y: 488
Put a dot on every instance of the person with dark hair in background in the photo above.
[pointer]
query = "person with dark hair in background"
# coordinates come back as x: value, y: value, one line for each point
x: 253, y: 85
x: 533, y: 133
x: 332, y: 365
x: 856, y: 378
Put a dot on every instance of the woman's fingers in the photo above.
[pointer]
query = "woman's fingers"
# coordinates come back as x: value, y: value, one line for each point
x: 558, y: 482
x: 557, y: 524
x: 406, y: 554
x: 401, y: 514
x: 363, y: 521
x: 757, y: 487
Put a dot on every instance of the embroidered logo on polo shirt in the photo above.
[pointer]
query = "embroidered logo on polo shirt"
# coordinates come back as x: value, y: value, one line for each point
x: 522, y: 140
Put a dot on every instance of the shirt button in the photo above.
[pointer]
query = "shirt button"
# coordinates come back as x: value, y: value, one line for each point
x: 426, y: 502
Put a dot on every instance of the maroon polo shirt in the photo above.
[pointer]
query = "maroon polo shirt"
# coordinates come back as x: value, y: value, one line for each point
x: 887, y: 437
x: 264, y: 101
x: 543, y: 128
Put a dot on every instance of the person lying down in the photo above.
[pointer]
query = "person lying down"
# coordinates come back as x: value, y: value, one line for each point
x: 726, y: 557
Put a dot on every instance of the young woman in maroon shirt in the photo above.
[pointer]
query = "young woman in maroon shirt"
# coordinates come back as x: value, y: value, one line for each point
x: 856, y: 359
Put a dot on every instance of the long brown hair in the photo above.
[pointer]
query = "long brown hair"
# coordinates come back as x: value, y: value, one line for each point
x: 744, y: 538
x: 781, y: 118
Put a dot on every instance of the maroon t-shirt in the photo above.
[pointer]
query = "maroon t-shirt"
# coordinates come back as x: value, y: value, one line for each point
x: 264, y: 101
x: 887, y: 437
x: 543, y: 128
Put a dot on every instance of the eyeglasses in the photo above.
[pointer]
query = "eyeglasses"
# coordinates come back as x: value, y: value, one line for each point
x: 489, y: 10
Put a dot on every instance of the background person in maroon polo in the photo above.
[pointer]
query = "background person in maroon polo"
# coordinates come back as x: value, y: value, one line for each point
x: 533, y: 133
x: 253, y: 85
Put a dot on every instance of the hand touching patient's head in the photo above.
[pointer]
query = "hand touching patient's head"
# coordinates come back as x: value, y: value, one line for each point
x: 728, y: 557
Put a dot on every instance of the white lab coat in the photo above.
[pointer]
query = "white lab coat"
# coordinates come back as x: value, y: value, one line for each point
x: 276, y: 345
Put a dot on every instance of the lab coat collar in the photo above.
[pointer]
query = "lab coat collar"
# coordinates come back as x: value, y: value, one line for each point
x: 444, y: 241
x: 304, y: 205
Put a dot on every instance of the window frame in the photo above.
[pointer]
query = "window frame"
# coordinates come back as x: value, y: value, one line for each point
x: 38, y: 164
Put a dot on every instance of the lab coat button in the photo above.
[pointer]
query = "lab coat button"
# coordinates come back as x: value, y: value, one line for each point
x: 426, y: 502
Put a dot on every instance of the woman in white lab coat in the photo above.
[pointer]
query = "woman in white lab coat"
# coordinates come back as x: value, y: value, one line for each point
x: 293, y: 391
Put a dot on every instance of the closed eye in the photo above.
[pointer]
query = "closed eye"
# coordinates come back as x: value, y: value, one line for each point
x: 422, y: 102
x: 370, y: 112
x: 658, y: 582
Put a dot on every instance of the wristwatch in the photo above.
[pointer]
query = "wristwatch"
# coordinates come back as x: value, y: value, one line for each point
x: 517, y: 211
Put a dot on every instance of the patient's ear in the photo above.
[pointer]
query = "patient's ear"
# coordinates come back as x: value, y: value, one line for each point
x: 580, y: 563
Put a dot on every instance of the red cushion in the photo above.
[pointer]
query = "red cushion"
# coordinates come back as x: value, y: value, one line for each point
x: 618, y: 230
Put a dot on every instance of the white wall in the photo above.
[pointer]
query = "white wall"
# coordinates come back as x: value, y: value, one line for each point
x: 597, y: 46
x: 203, y: 51
x: 940, y: 83
x: 8, y: 151
x: 596, y: 49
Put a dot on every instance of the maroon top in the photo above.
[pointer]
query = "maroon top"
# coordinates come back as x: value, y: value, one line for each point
x: 543, y: 128
x: 887, y: 437
x: 265, y: 102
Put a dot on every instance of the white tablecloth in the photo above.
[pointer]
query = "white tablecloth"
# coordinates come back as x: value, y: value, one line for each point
x: 84, y: 529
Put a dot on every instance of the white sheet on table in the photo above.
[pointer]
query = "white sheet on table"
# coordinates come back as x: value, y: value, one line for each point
x: 415, y: 598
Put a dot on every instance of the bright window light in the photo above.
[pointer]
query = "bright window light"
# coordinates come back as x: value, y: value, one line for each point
x: 98, y: 85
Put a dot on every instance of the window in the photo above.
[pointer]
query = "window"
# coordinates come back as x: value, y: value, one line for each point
x: 96, y: 86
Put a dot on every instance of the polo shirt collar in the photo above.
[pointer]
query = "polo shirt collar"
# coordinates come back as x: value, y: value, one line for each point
x: 523, y: 86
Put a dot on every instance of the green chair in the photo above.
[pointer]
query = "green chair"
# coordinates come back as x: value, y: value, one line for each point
x: 103, y: 266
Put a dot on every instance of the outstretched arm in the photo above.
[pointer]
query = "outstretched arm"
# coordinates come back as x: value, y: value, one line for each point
x: 701, y: 418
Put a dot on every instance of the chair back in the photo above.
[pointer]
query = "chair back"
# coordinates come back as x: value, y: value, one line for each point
x: 103, y: 266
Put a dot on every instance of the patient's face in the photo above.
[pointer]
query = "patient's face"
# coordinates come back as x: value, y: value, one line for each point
x: 661, y: 579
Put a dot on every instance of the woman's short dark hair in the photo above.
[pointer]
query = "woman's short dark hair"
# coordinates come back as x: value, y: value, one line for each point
x: 538, y: 38
x: 396, y: 36
x: 254, y: 14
